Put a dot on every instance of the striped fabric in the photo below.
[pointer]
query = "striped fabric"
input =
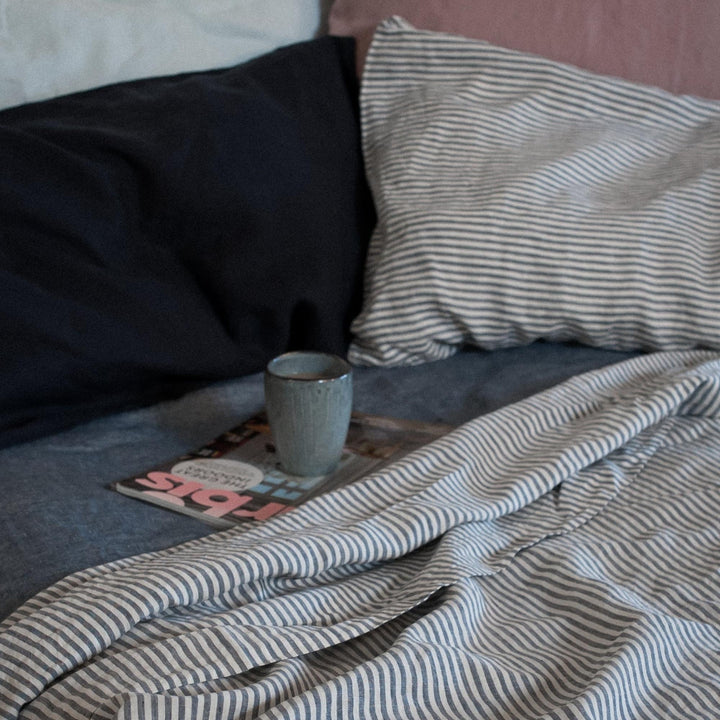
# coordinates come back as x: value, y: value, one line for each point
x: 559, y: 558
x: 520, y: 199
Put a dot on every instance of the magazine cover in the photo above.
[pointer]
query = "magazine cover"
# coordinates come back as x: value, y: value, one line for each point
x: 236, y: 478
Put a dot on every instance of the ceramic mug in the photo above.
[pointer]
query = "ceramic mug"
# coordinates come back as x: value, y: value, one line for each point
x: 308, y: 398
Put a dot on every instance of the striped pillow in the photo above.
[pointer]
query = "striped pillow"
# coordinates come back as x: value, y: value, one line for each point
x: 522, y: 199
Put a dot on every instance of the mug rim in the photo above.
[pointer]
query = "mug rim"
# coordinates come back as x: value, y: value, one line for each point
x: 344, y: 367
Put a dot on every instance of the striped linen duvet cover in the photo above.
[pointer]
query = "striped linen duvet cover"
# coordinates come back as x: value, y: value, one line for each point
x: 557, y: 558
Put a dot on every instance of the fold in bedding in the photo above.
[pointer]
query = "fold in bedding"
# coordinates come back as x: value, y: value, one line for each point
x: 555, y: 558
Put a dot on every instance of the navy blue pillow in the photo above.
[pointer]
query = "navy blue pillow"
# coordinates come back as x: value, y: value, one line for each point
x: 172, y: 231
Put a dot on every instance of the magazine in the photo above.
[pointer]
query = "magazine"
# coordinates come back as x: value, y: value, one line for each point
x: 236, y: 478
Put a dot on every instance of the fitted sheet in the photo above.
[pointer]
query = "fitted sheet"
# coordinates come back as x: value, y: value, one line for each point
x: 555, y: 558
x: 58, y: 515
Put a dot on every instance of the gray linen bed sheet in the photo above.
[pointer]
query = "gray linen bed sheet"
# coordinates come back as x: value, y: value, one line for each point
x: 58, y: 515
x: 556, y: 558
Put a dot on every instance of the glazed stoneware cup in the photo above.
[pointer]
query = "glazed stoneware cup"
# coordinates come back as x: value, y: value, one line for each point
x: 308, y: 398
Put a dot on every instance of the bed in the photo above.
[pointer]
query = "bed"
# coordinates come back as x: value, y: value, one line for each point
x: 506, y: 217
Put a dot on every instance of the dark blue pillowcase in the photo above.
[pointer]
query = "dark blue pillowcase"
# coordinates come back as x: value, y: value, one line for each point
x: 173, y: 231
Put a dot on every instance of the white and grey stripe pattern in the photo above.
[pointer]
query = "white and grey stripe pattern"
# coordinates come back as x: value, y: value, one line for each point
x: 520, y: 198
x: 558, y: 558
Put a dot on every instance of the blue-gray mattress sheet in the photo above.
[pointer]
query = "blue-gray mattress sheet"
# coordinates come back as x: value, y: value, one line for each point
x: 59, y: 515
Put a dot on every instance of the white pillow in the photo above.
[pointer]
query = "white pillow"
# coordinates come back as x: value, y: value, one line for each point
x: 54, y: 47
x: 521, y: 199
